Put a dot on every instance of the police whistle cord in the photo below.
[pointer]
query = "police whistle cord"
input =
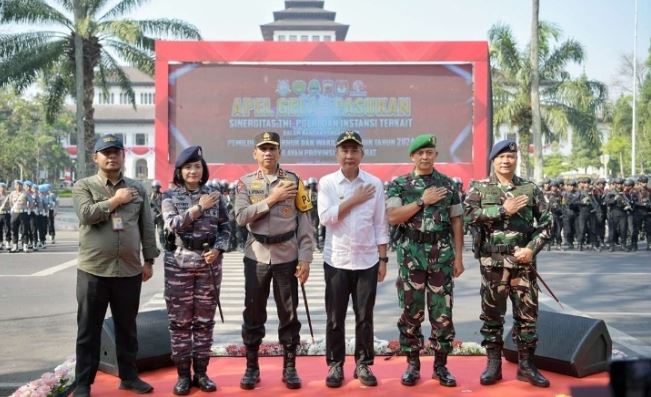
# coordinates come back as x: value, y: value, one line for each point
x: 206, y: 248
x: 307, y: 311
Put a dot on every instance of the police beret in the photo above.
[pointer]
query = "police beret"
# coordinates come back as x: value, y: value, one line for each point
x: 600, y: 180
x: 572, y: 182
x: 422, y: 141
x: 27, y: 183
x: 108, y: 141
x: 349, y: 136
x: 2, y: 184
x: 267, y: 137
x: 553, y: 183
x: 18, y: 182
x: 585, y: 179
x: 629, y: 182
x: 643, y: 179
x: 617, y: 180
x: 189, y: 155
x: 547, y: 181
x: 500, y: 147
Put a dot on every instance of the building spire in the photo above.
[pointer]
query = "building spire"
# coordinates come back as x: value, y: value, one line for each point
x: 304, y: 20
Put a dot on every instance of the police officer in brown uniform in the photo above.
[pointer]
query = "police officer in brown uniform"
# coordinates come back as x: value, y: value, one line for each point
x: 278, y: 249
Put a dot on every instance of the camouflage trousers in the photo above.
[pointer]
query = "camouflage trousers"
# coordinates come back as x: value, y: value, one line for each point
x: 426, y: 278
x: 190, y: 295
x: 520, y: 285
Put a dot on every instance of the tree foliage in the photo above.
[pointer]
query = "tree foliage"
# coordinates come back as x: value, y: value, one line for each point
x: 31, y: 145
x: 108, y: 34
x: 619, y: 146
x: 567, y: 104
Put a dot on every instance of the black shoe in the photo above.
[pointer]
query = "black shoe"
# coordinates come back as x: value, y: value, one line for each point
x: 201, y: 379
x: 183, y: 383
x: 365, y: 375
x: 335, y: 376
x: 136, y: 385
x: 182, y: 386
x: 493, y: 371
x: 412, y: 374
x: 527, y: 371
x: 81, y: 391
x: 441, y: 371
x: 250, y: 379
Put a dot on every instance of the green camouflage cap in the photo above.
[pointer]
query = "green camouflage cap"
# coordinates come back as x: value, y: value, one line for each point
x: 422, y: 141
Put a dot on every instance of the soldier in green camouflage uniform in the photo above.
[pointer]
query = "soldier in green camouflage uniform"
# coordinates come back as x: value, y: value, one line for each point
x: 514, y: 220
x: 428, y: 207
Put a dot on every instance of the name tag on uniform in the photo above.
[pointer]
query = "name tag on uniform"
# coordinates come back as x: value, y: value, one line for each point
x: 118, y: 224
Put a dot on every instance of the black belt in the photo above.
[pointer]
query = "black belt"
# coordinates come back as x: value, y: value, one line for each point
x: 507, y: 249
x: 417, y: 236
x: 277, y: 239
x: 197, y: 244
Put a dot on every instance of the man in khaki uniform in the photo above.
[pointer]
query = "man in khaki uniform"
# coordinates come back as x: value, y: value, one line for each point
x: 115, y: 228
x: 272, y: 203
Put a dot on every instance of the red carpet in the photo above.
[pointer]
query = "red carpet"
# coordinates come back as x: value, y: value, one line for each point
x: 226, y: 372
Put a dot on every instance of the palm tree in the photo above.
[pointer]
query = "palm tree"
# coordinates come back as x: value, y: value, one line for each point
x: 106, y: 37
x: 565, y: 103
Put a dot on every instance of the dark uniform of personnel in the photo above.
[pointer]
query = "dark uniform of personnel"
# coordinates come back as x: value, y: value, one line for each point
x: 598, y: 192
x: 156, y: 201
x: 279, y: 238
x: 503, y: 276
x: 643, y: 210
x: 426, y: 256
x: 192, y: 285
x: 588, y: 215
x: 554, y: 198
x: 618, y: 209
x: 570, y: 206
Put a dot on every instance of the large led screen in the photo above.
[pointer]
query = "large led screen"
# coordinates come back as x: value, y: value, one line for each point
x: 223, y: 106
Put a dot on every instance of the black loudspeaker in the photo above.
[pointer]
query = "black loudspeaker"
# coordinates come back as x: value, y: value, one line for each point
x: 154, y: 346
x: 570, y: 345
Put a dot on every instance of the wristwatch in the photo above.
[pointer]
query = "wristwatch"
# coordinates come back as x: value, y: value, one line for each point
x: 420, y: 202
x: 200, y: 207
x: 503, y: 212
x: 384, y: 259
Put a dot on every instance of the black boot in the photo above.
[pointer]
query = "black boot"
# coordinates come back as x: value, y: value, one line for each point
x: 412, y: 374
x: 252, y: 374
x: 493, y: 371
x: 201, y: 379
x: 527, y: 371
x: 183, y: 384
x: 290, y: 376
x: 441, y: 371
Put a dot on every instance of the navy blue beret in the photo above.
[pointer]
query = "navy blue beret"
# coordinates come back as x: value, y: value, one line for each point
x: 108, y: 141
x: 500, y: 147
x: 189, y: 155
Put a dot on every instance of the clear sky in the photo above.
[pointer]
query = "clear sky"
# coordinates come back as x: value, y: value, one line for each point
x: 604, y: 27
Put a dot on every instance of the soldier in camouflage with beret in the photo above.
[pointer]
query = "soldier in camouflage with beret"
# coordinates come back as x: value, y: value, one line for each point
x: 428, y: 207
x: 198, y: 234
x: 514, y: 220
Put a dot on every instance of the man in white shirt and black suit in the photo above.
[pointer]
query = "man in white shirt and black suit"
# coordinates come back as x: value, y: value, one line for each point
x: 351, y: 207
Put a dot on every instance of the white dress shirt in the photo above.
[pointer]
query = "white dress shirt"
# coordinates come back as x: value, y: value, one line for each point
x: 352, y: 242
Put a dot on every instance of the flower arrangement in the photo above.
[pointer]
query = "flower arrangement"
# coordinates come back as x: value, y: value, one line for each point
x: 317, y: 347
x: 50, y: 384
